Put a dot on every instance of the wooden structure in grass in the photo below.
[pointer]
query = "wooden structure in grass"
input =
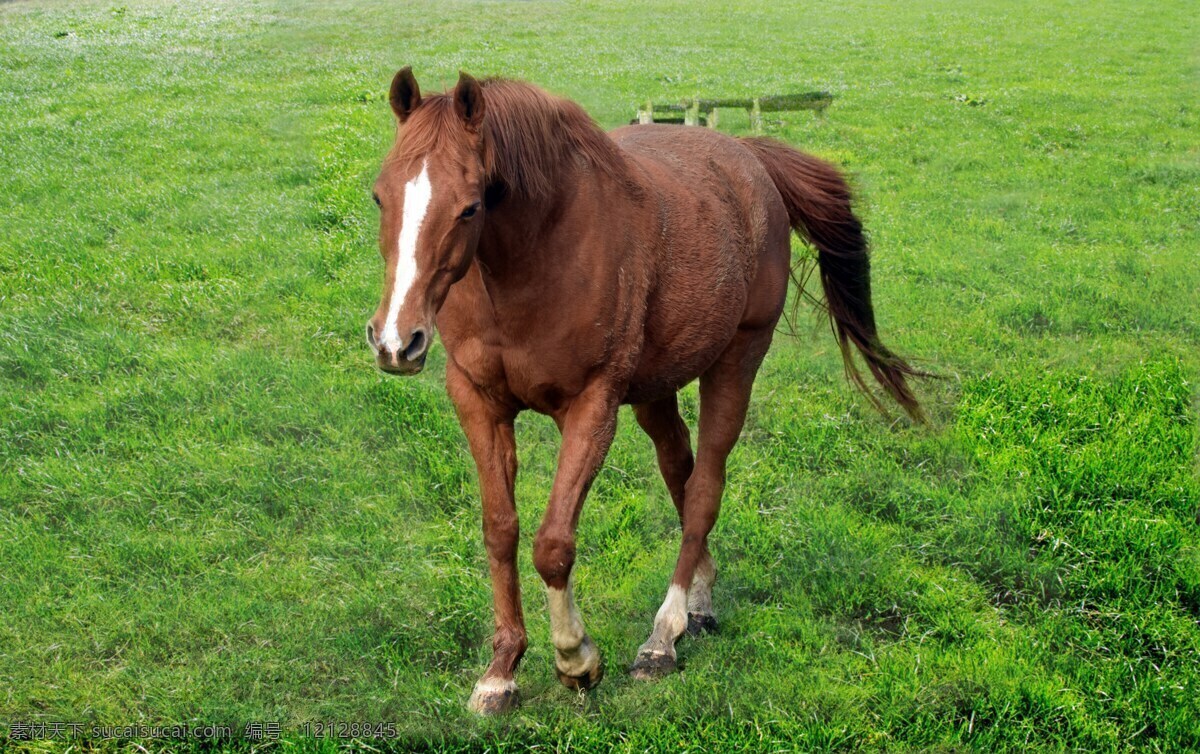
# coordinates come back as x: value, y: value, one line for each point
x: 703, y: 112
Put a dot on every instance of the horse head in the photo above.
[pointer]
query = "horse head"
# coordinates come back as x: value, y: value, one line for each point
x: 430, y: 197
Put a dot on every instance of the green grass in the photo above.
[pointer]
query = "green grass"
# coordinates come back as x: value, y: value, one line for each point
x: 213, y: 508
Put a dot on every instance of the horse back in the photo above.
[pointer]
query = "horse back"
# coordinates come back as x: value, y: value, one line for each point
x: 722, y: 257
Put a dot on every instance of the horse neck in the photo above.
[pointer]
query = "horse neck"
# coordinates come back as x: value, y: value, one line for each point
x: 518, y: 231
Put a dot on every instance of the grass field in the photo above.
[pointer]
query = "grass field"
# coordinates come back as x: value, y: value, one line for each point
x: 214, y: 509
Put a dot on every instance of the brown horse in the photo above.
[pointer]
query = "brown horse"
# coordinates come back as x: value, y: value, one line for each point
x: 570, y: 271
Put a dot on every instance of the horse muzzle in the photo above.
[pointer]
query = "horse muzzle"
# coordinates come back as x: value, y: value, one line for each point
x: 396, y: 363
x: 396, y: 358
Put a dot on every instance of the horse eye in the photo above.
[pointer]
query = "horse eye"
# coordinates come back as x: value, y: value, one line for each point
x: 377, y: 202
x: 469, y: 212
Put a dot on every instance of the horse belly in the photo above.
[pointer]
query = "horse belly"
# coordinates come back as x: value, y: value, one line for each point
x: 690, y: 320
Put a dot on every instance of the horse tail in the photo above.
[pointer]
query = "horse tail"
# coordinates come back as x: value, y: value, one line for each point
x: 818, y: 206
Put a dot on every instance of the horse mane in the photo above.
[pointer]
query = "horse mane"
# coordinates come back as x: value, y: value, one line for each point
x: 530, y: 138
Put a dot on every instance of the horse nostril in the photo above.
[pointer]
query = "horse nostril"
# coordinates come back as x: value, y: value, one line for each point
x: 371, y: 341
x: 417, y: 346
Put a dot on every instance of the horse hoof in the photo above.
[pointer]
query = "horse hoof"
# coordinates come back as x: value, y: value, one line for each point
x: 584, y: 661
x: 583, y: 682
x: 650, y: 666
x: 700, y: 623
x: 494, y: 696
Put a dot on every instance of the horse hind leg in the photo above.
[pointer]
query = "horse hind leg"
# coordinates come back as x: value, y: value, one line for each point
x: 672, y: 444
x: 724, y: 397
x: 701, y: 618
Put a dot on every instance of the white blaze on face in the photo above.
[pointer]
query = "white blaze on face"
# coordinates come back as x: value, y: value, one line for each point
x: 417, y: 194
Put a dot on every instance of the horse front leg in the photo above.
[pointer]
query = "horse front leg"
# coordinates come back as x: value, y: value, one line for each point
x: 489, y: 430
x: 587, y: 431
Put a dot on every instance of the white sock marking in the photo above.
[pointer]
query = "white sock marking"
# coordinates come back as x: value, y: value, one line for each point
x: 672, y: 616
x: 574, y: 654
x: 495, y: 685
x: 566, y: 627
x: 669, y: 623
x: 417, y: 194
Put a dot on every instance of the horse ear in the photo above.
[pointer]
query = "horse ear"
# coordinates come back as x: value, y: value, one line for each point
x: 468, y: 101
x: 405, y: 94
